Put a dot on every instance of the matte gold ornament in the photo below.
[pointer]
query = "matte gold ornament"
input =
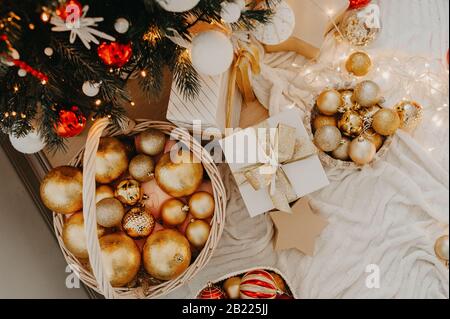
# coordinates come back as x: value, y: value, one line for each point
x: 442, y: 248
x: 102, y: 192
x: 279, y: 282
x: 323, y: 120
x: 411, y: 114
x: 328, y: 138
x: 137, y: 223
x: 198, y: 233
x: 166, y: 254
x: 62, y: 190
x: 367, y: 94
x: 150, y: 142
x: 128, y: 192
x: 342, y: 152
x: 351, y: 124
x: 74, y: 235
x: 111, y: 160
x: 180, y: 177
x: 359, y: 63
x: 386, y: 122
x: 232, y: 288
x: 110, y: 212
x: 202, y: 205
x: 362, y: 151
x: 174, y: 212
x: 329, y: 102
x: 374, y: 137
x: 348, y: 103
x: 121, y: 258
x: 142, y: 168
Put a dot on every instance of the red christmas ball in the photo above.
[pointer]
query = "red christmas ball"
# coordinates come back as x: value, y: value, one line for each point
x: 115, y: 54
x: 69, y: 7
x: 71, y: 123
x: 358, y: 4
x: 211, y: 292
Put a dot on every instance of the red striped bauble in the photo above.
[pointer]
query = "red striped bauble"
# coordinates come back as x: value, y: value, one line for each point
x: 211, y: 292
x: 258, y: 284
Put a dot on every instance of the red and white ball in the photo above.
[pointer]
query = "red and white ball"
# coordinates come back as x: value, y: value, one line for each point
x: 212, y: 293
x: 258, y: 284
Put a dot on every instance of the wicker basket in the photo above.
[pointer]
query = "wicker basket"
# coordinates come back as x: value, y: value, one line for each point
x: 91, y: 273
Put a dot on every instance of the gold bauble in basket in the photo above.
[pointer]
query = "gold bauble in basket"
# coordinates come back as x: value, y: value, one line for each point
x: 174, y: 212
x: 329, y: 102
x: 110, y: 212
x: 367, y: 94
x: 128, y: 192
x: 202, y: 205
x: 342, y: 152
x: 142, y: 168
x: 374, y: 137
x: 386, y: 122
x: 351, y: 124
x: 323, y: 120
x: 197, y: 233
x: 102, y: 192
x: 111, y: 160
x: 150, y: 142
x: 138, y: 223
x: 362, y: 151
x: 348, y: 103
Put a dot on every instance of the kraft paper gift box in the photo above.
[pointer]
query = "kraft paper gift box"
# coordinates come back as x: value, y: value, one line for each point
x: 304, y: 172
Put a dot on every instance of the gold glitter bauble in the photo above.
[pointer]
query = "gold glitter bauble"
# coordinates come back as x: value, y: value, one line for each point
x: 374, y: 137
x: 197, y: 233
x: 327, y: 138
x: 386, y: 122
x: 137, y: 223
x: 174, y: 212
x: 342, y: 152
x: 355, y: 30
x: 232, y: 288
x: 279, y: 282
x: 329, y: 102
x: 367, y: 94
x: 442, y: 248
x: 362, y: 151
x: 323, y: 120
x: 128, y: 192
x: 411, y: 114
x: 359, y: 63
x: 166, y: 254
x: 351, y: 124
x: 74, y: 235
x: 121, y: 258
x: 62, y: 190
x: 150, y: 142
x: 142, y: 168
x: 110, y: 212
x: 102, y: 192
x: 179, y: 176
x: 348, y: 103
x: 202, y: 205
x: 111, y: 160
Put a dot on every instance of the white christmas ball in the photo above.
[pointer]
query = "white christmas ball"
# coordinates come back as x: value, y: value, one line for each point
x: 22, y: 73
x: 212, y: 53
x: 14, y: 54
x: 122, y: 25
x: 91, y: 89
x: 231, y: 12
x: 48, y: 51
x: 280, y: 28
x: 178, y: 5
x: 29, y: 144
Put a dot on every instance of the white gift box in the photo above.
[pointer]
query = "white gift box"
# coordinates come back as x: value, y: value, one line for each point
x: 306, y: 176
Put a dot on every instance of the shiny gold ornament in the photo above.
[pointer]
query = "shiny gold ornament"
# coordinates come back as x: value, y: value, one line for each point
x: 442, y: 248
x: 351, y: 124
x: 121, y: 258
x: 179, y: 176
x: 62, y: 190
x: 110, y: 212
x: 349, y: 104
x: 342, y: 152
x: 102, y: 192
x: 111, y: 160
x: 374, y: 137
x: 174, y: 212
x: 323, y: 120
x: 328, y: 138
x: 197, y: 233
x: 142, y: 168
x: 359, y: 63
x: 355, y: 29
x: 329, y: 102
x: 232, y: 288
x: 166, y: 254
x: 386, y: 122
x: 128, y: 192
x: 279, y: 282
x: 367, y: 94
x: 411, y: 114
x: 150, y: 142
x: 202, y: 205
x: 362, y: 151
x: 74, y: 235
x: 137, y: 223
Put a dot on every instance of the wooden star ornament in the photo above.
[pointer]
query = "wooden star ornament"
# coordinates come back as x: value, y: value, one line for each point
x: 298, y: 230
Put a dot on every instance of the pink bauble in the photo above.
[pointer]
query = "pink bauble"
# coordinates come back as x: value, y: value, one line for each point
x: 156, y: 197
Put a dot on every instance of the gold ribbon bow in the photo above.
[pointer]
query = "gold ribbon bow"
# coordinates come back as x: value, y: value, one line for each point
x: 280, y: 147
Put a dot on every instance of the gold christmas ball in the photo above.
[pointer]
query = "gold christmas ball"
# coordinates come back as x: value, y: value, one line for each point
x: 232, y: 287
x: 150, y: 142
x: 110, y: 212
x: 166, y: 254
x: 411, y: 114
x: 202, y: 205
x: 62, y: 190
x: 359, y: 63
x: 351, y: 124
x: 368, y: 113
x: 355, y: 29
x: 342, y: 152
x: 102, y: 192
x: 279, y: 282
x: 323, y: 120
x: 329, y: 102
x: 386, y: 122
x: 128, y: 192
x: 348, y: 103
x: 367, y: 93
x: 197, y: 233
x: 174, y: 212
x: 74, y: 236
x: 137, y: 223
x: 111, y: 160
x: 142, y: 168
x: 362, y: 151
x: 442, y: 248
x: 328, y: 138
x: 179, y: 176
x: 374, y: 137
x: 121, y: 258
